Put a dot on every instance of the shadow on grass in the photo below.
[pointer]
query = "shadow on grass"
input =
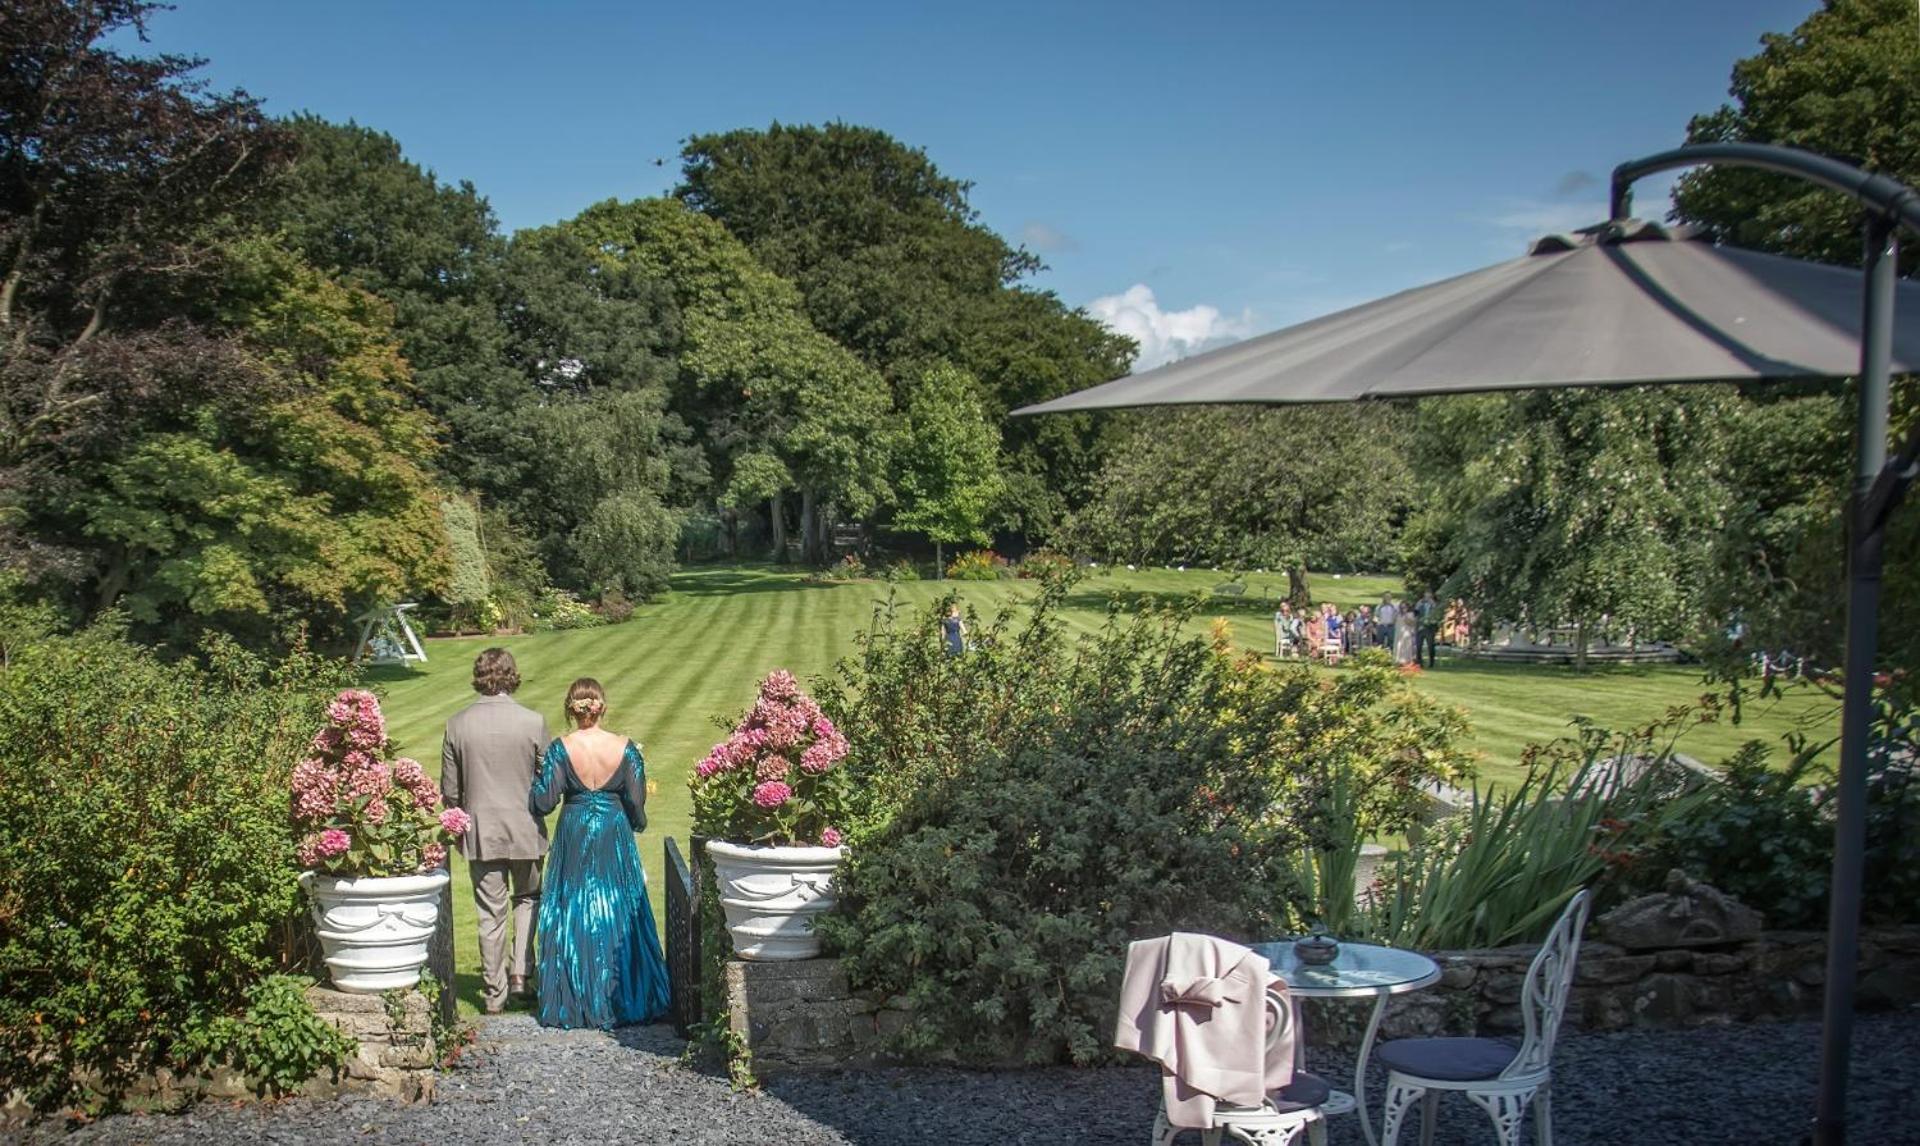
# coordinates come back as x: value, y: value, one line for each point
x: 1209, y: 604
x: 390, y: 674
x: 733, y: 582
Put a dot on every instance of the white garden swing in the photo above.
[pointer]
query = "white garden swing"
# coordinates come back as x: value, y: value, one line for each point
x: 386, y: 638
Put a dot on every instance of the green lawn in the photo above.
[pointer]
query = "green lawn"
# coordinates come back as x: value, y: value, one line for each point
x: 697, y: 655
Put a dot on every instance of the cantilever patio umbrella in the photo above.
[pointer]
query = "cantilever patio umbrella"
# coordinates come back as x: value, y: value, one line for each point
x: 1633, y: 302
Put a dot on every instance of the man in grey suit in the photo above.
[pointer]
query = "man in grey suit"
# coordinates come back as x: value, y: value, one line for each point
x: 487, y: 762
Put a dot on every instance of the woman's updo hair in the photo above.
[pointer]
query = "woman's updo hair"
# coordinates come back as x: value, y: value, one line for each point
x: 586, y: 702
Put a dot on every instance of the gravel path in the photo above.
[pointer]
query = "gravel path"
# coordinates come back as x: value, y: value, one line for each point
x: 1748, y: 1084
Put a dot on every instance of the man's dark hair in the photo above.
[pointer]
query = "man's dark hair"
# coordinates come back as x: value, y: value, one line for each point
x: 494, y: 673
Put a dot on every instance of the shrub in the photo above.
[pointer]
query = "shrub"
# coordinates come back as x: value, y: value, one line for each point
x: 278, y: 1041
x: 558, y: 609
x: 979, y: 565
x: 1044, y: 563
x: 1764, y: 834
x: 614, y: 608
x: 358, y: 814
x: 777, y: 779
x: 148, y: 883
x: 1029, y: 809
x: 902, y: 570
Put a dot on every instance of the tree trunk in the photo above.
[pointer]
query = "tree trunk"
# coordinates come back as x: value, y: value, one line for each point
x: 1297, y: 592
x: 939, y: 561
x: 809, y: 529
x: 777, y: 523
x: 114, y: 582
x: 1580, y: 645
x: 733, y: 535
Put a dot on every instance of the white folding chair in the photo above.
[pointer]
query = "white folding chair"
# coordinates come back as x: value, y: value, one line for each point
x: 1499, y: 1077
x: 1276, y: 1122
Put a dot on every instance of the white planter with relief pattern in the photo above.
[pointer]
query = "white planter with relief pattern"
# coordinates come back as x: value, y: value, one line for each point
x: 770, y: 896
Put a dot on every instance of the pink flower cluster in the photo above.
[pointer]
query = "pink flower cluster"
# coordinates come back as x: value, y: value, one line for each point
x: 784, y: 729
x: 345, y: 789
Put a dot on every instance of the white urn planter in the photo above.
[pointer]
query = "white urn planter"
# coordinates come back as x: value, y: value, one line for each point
x: 770, y: 896
x: 375, y: 930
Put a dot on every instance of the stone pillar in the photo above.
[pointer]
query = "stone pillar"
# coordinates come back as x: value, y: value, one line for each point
x: 396, y: 1054
x: 803, y: 1015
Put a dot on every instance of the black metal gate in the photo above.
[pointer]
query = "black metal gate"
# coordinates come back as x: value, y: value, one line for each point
x: 683, y: 933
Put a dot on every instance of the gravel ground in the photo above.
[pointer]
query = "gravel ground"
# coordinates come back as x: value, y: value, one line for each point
x: 1748, y: 1084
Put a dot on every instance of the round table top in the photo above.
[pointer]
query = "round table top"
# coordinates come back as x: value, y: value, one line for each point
x: 1359, y: 969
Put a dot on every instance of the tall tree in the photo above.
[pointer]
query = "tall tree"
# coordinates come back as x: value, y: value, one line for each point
x: 354, y: 206
x: 114, y: 169
x: 894, y: 263
x: 1845, y: 83
x: 297, y: 497
x: 1292, y: 488
x: 782, y: 409
x: 949, y: 480
x: 1577, y: 507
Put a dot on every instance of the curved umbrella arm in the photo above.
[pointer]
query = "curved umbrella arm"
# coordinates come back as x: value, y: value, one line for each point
x: 1880, y: 193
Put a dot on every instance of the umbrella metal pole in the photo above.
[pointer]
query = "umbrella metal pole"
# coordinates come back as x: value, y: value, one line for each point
x: 1864, y: 556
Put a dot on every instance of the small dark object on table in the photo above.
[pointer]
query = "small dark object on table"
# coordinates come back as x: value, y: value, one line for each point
x: 1316, y: 950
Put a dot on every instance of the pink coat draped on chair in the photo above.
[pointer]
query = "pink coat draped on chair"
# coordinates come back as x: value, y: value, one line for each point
x: 1197, y: 1006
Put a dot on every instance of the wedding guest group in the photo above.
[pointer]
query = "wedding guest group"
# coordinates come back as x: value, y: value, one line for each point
x: 1410, y: 632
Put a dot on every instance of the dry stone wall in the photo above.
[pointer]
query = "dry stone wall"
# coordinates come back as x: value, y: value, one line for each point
x: 804, y: 1015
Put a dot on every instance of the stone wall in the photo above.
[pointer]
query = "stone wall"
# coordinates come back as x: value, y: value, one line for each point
x: 396, y: 1055
x: 1780, y: 975
x: 394, y: 1060
x: 803, y: 1015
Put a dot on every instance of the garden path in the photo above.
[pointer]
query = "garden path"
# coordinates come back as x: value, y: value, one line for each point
x: 1736, y: 1084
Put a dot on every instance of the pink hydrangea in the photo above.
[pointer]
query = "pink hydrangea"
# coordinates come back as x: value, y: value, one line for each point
x: 830, y: 838
x: 433, y: 856
x: 313, y: 787
x: 328, y: 741
x: 771, y: 794
x: 364, y: 774
x: 376, y: 811
x: 410, y: 775
x: 456, y: 821
x: 772, y: 768
x: 779, y: 686
x: 333, y: 842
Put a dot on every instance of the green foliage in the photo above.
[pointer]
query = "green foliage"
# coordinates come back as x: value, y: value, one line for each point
x: 978, y: 565
x: 1296, y: 488
x: 278, y: 1041
x: 902, y: 570
x: 949, y: 481
x: 467, y: 582
x: 1574, y: 506
x: 1843, y: 84
x: 558, y: 609
x: 1764, y: 834
x: 1035, y: 805
x: 894, y: 264
x: 149, y: 877
x: 1500, y: 871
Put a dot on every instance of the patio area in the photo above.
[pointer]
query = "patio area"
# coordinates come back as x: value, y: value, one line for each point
x: 1732, y: 1084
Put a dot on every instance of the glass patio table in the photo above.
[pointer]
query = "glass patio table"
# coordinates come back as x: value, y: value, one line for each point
x: 1359, y: 971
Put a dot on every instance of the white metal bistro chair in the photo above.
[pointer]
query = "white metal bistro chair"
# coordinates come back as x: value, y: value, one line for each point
x: 1500, y: 1077
x: 1279, y: 1120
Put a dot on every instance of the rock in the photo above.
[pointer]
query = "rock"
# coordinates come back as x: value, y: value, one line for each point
x: 1618, y: 969
x: 1687, y: 914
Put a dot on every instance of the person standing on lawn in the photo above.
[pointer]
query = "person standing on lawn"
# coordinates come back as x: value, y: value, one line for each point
x: 1427, y: 612
x: 487, y: 763
x: 1383, y: 618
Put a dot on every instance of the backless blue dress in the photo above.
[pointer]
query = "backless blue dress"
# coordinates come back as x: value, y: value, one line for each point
x: 599, y: 955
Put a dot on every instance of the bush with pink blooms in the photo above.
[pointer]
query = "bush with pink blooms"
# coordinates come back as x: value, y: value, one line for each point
x: 356, y: 813
x: 777, y: 779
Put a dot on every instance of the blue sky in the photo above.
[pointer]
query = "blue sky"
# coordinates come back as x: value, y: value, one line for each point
x: 1190, y: 171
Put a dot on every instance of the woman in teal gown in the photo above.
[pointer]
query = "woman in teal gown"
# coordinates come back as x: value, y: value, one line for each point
x: 599, y: 957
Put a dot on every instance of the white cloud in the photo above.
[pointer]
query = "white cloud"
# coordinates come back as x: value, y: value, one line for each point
x: 1047, y: 239
x: 1165, y: 335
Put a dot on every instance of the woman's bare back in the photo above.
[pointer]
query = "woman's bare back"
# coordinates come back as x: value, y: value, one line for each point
x: 595, y: 755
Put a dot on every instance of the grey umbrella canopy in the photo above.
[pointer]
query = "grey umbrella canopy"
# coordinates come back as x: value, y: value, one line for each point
x: 1618, y: 303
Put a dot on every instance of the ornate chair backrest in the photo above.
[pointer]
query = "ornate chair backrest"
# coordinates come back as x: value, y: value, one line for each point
x: 1543, y: 996
x: 1279, y: 1014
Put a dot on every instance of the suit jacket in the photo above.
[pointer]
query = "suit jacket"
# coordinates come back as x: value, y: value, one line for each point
x: 487, y: 762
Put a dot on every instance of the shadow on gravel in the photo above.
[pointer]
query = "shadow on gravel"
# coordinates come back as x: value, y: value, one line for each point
x: 938, y: 1104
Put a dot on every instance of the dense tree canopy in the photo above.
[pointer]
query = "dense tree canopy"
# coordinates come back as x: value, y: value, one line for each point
x: 1291, y: 488
x: 894, y: 263
x: 1845, y: 83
